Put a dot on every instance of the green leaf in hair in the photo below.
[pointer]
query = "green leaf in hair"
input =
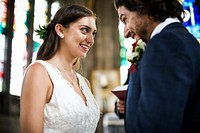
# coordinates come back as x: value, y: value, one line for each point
x: 41, y: 31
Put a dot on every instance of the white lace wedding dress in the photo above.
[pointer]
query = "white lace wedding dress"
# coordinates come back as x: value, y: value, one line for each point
x: 67, y: 112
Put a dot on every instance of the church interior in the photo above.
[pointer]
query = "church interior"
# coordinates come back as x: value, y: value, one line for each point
x: 105, y: 65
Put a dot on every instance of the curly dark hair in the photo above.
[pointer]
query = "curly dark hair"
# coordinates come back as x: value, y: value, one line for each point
x: 158, y: 9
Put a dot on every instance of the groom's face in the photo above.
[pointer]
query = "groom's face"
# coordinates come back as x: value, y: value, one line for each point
x: 138, y: 26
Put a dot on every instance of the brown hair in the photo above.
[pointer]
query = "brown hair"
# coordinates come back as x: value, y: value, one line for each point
x: 65, y: 16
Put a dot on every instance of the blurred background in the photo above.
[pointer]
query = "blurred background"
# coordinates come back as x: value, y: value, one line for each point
x: 105, y: 65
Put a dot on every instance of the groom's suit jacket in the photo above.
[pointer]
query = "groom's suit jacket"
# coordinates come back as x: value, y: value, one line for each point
x: 164, y: 93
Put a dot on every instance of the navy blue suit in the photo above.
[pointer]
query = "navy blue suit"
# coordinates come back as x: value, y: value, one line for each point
x: 164, y: 93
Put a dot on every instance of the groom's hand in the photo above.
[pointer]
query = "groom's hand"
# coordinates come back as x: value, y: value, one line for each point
x: 120, y: 106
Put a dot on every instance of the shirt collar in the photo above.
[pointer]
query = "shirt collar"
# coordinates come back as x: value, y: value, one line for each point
x: 162, y: 25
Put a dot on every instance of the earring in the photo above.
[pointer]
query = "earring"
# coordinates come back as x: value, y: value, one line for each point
x: 62, y: 36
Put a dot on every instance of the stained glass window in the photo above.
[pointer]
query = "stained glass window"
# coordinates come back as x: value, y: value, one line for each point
x: 192, y: 17
x: 19, y: 53
x: 3, y: 12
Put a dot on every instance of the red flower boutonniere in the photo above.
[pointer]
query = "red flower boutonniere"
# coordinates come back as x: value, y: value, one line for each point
x: 135, y: 55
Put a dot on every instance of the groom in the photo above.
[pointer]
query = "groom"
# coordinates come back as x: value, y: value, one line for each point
x: 164, y: 90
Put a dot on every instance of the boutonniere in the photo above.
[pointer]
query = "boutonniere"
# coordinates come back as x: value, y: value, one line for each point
x: 135, y: 55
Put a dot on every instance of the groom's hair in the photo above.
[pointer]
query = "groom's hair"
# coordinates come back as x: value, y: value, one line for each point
x: 158, y: 9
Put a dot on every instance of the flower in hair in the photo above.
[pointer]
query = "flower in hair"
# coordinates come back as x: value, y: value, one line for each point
x: 136, y: 53
x: 41, y: 31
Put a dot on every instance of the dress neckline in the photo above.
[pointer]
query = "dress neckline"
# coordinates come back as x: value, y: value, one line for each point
x: 78, y: 78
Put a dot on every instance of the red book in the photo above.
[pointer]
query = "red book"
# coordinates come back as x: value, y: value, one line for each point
x: 120, y: 91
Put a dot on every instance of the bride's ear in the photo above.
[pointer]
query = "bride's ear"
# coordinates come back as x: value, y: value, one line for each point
x: 59, y: 30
